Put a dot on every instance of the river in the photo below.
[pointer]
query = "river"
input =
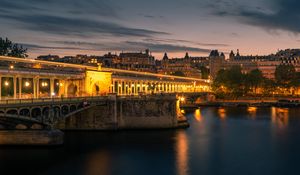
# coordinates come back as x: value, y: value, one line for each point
x: 219, y: 141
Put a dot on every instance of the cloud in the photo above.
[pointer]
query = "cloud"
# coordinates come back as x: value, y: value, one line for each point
x: 132, y: 46
x: 74, y: 7
x: 180, y: 41
x: 78, y: 27
x: 167, y: 47
x: 38, y: 47
x: 280, y: 15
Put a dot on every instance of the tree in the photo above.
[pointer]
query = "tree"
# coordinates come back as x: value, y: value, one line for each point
x: 230, y: 81
x: 7, y: 48
x: 268, y: 86
x: 254, y: 79
x: 284, y: 75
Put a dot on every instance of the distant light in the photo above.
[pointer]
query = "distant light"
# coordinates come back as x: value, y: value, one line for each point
x: 6, y: 83
x: 182, y: 99
x: 11, y: 67
x: 27, y: 84
x: 52, y: 94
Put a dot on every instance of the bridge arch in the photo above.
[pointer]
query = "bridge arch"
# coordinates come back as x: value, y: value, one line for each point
x: 36, y: 112
x: 25, y: 112
x: 73, y: 108
x: 65, y: 110
x: 12, y: 112
x: 96, y: 89
x: 45, y: 111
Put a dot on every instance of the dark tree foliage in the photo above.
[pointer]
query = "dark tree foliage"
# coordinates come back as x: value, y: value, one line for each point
x: 7, y: 48
x: 285, y: 75
x: 232, y: 82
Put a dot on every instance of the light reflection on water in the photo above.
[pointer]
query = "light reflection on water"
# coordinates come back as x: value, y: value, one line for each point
x: 197, y: 115
x: 182, y: 149
x: 280, y: 116
x: 225, y: 140
x: 222, y: 113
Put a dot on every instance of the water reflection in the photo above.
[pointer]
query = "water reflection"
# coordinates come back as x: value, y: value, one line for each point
x: 98, y: 163
x: 182, y: 111
x: 197, y: 115
x: 252, y: 111
x: 222, y: 113
x: 182, y: 153
x: 280, y: 116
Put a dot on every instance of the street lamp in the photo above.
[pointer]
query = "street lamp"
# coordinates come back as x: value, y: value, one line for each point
x: 27, y: 84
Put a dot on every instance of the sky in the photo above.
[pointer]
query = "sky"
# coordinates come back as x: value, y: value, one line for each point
x: 95, y: 27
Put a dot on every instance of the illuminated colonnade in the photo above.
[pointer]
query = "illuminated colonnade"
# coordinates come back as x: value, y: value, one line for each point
x: 134, y: 86
x: 16, y: 84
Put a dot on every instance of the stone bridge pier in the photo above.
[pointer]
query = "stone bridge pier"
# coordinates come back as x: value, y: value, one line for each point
x: 39, y: 122
x: 117, y: 112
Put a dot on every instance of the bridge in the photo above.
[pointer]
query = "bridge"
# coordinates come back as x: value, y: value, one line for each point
x: 40, y: 79
x: 39, y: 96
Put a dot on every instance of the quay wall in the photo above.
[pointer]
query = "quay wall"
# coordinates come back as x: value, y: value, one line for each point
x: 144, y: 112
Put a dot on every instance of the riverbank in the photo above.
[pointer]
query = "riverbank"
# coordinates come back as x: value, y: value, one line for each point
x: 245, y: 103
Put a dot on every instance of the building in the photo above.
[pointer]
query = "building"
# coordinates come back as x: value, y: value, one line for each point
x: 177, y: 66
x: 216, y: 62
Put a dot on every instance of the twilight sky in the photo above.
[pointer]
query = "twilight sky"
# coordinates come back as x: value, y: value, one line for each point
x: 70, y: 27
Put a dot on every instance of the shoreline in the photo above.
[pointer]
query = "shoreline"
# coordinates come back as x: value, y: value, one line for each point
x: 242, y: 104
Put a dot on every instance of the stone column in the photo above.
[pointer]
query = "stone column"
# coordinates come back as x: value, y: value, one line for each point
x: 37, y: 87
x: 51, y: 86
x: 112, y: 86
x: 15, y: 86
x: 0, y: 87
x: 34, y: 87
x: 20, y: 87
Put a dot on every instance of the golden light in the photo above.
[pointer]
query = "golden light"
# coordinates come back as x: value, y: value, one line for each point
x: 182, y: 99
x: 6, y: 83
x: 280, y: 116
x: 198, y: 115
x: 252, y: 109
x: 44, y: 84
x: 61, y: 84
x: 11, y: 67
x: 222, y: 113
x: 27, y: 84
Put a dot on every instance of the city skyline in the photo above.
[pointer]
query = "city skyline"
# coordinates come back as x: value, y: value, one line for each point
x: 176, y: 27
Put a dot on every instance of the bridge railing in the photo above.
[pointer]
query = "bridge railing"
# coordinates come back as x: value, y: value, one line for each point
x: 51, y: 100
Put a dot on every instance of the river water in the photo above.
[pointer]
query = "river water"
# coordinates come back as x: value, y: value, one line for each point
x: 220, y: 141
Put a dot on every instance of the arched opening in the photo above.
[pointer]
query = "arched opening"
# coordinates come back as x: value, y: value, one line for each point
x: 65, y: 110
x: 57, y: 111
x: 36, y: 112
x: 72, y: 90
x: 96, y: 89
x: 12, y: 112
x: 45, y: 111
x: 25, y: 112
x: 72, y: 108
